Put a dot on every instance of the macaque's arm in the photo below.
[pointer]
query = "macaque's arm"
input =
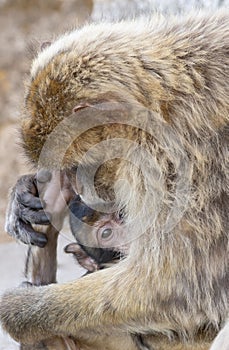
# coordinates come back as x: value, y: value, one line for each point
x: 91, y: 303
x: 41, y: 266
x: 42, y: 262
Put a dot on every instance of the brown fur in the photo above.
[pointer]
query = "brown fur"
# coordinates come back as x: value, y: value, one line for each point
x: 178, y: 70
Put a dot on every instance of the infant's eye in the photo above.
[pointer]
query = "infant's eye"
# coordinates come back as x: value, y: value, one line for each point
x: 106, y: 233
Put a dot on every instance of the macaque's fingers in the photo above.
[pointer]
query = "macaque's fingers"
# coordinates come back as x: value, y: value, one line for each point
x: 28, y: 235
x: 26, y: 192
x: 34, y: 217
x: 29, y: 200
x: 43, y: 176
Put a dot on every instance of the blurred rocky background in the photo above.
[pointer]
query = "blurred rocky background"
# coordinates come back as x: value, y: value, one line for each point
x: 25, y: 24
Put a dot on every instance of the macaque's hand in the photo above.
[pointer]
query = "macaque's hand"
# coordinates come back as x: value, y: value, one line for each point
x: 26, y: 208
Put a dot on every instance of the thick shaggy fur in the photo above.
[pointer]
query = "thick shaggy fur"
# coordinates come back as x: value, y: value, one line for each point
x: 174, y: 285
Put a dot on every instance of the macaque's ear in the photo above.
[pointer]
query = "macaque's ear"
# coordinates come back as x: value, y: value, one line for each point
x: 45, y: 44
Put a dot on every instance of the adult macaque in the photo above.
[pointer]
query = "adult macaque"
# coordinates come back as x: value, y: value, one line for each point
x: 139, y: 109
